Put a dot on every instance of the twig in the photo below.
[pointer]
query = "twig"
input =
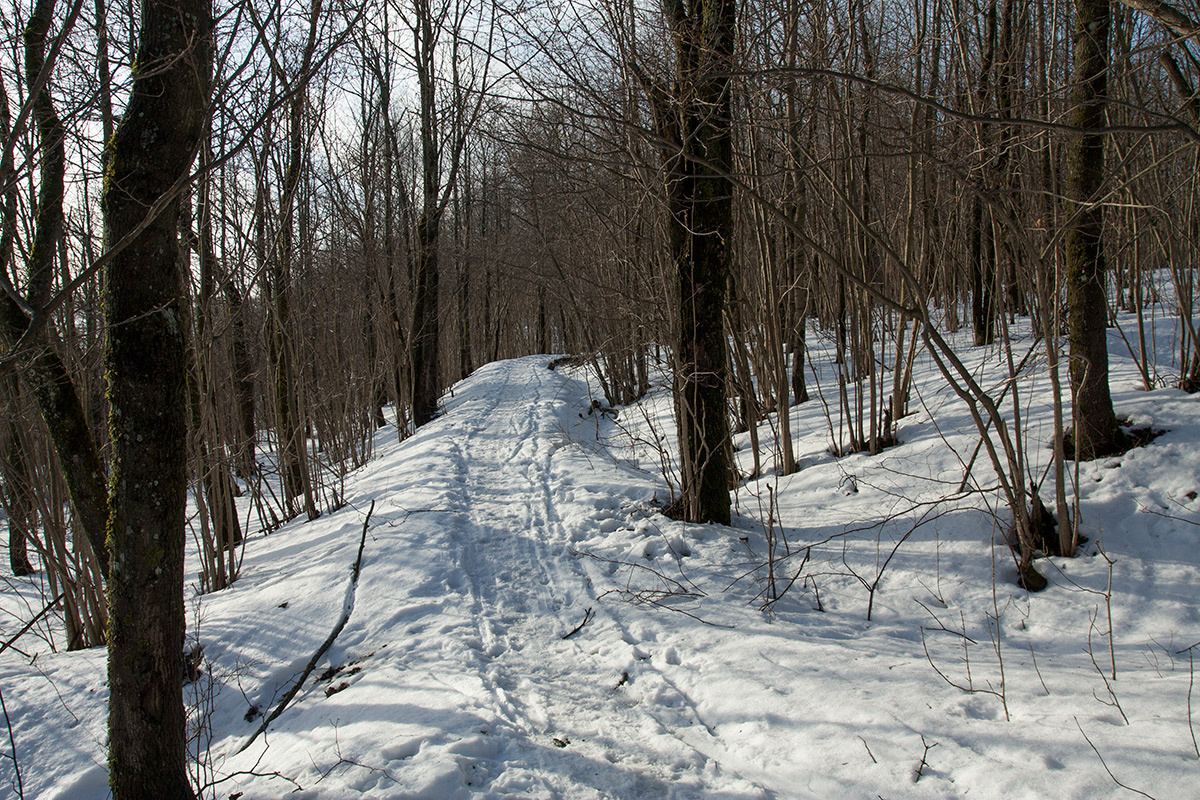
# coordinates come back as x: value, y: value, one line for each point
x: 587, y: 616
x: 1148, y: 510
x: 816, y: 591
x: 799, y: 571
x: 1112, y: 652
x: 1103, y: 764
x: 1191, y: 683
x: 924, y: 756
x: 872, y: 755
x: 1038, y: 671
x: 941, y: 626
x: 13, y: 744
x: 33, y: 621
x: 253, y: 774
x: 970, y: 688
x: 337, y: 749
x: 1112, y: 701
x: 996, y: 614
x: 653, y: 597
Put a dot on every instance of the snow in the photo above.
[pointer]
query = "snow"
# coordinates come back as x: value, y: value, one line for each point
x: 526, y: 624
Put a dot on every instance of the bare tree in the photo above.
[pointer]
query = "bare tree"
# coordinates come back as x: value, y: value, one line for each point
x: 441, y: 51
x: 1096, y: 430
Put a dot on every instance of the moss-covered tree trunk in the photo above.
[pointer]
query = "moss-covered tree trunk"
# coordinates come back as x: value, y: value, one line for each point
x: 700, y: 196
x: 1095, y: 425
x: 145, y: 362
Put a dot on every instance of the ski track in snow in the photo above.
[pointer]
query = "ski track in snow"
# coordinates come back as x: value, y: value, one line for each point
x: 527, y: 590
x: 524, y: 581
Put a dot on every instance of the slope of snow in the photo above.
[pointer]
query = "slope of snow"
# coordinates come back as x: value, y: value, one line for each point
x: 526, y: 624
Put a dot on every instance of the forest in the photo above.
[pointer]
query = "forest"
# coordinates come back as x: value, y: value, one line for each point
x: 252, y: 249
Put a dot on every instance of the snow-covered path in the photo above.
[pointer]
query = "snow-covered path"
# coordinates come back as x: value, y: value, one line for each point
x: 527, y: 625
x: 462, y: 681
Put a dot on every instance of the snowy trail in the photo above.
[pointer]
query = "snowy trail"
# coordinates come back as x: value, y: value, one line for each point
x: 457, y: 637
x: 499, y: 525
x: 529, y: 589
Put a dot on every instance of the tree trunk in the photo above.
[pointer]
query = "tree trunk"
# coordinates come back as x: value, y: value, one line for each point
x: 424, y: 352
x: 44, y: 370
x: 243, y: 380
x: 145, y: 360
x: 799, y: 345
x: 58, y: 400
x: 1096, y: 432
x: 292, y: 426
x: 206, y: 424
x: 18, y: 500
x: 462, y: 290
x: 425, y: 321
x: 463, y: 236
x: 700, y: 196
x: 983, y: 312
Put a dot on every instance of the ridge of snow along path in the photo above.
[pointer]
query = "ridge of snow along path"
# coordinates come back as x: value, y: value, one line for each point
x: 492, y: 649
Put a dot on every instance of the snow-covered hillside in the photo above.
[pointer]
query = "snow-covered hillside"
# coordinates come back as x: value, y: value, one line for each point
x: 526, y: 624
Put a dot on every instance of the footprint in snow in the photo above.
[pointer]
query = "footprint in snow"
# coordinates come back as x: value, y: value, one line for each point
x: 402, y: 750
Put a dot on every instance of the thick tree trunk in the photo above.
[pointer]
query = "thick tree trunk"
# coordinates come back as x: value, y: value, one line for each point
x: 1096, y: 431
x: 424, y: 353
x: 424, y: 349
x: 145, y: 360
x: 701, y: 205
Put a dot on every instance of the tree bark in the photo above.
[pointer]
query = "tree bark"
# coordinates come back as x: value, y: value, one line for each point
x: 206, y: 424
x: 18, y: 501
x: 1096, y: 432
x: 291, y: 423
x: 424, y: 344
x: 243, y: 379
x: 700, y: 196
x: 145, y: 360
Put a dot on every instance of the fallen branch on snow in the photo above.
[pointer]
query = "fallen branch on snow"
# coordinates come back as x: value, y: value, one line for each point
x: 312, y: 662
x: 587, y: 617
